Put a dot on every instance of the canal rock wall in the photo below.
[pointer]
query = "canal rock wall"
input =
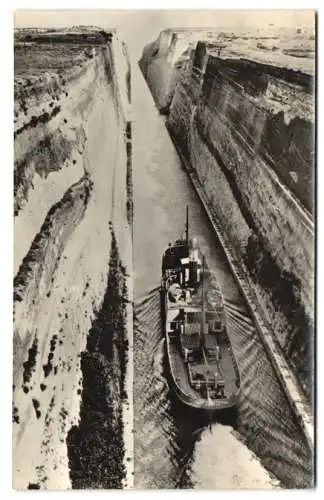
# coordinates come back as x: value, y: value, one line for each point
x: 245, y: 127
x: 162, y: 59
x: 72, y: 229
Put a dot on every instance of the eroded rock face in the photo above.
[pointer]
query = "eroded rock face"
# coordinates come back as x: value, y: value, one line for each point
x: 72, y: 188
x: 243, y: 118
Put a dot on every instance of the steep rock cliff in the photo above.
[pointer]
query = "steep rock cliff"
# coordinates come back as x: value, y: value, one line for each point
x: 73, y: 218
x: 242, y: 116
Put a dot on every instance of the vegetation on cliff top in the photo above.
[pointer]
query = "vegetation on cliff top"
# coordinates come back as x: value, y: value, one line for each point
x: 96, y: 448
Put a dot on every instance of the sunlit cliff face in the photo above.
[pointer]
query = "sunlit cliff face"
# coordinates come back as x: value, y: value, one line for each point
x: 71, y: 161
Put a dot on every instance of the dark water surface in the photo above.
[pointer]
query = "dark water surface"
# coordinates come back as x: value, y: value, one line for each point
x: 176, y: 447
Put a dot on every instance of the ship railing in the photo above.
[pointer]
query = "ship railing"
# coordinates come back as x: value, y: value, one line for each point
x: 179, y: 243
x: 176, y: 326
x: 202, y: 381
x: 214, y: 388
x: 170, y: 279
x: 190, y: 374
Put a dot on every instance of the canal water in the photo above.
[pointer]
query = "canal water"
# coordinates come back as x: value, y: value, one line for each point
x: 258, y: 446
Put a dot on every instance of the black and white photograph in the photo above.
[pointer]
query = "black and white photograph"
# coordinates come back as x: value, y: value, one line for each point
x: 164, y: 232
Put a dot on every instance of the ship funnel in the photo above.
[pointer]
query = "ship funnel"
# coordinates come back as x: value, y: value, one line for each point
x: 193, y: 255
x: 193, y: 272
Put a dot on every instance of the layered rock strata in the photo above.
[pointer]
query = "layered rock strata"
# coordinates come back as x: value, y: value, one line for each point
x: 73, y: 225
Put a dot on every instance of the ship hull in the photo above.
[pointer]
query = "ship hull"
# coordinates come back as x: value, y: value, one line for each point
x: 180, y: 381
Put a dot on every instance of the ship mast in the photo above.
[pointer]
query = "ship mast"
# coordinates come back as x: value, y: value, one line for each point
x: 187, y: 226
x: 202, y: 326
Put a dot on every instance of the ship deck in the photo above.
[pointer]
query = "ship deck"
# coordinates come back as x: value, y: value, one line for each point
x: 225, y: 367
x: 193, y: 306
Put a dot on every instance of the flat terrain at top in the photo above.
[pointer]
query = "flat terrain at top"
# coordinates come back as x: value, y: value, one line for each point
x: 39, y: 51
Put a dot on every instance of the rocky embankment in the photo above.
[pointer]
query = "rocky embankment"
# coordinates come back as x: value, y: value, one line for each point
x: 241, y: 112
x: 72, y: 259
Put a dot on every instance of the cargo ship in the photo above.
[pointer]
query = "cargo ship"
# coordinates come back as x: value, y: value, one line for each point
x: 202, y: 364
